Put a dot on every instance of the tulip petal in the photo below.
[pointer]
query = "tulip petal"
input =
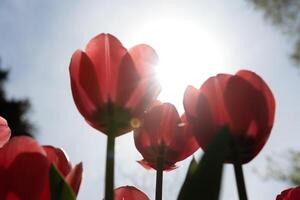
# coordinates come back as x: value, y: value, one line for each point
x: 146, y: 164
x: 260, y: 85
x: 88, y: 80
x: 83, y: 103
x: 4, y: 131
x: 190, y: 101
x: 106, y: 53
x: 161, y: 121
x: 128, y: 80
x: 147, y: 88
x: 17, y: 146
x: 205, y: 126
x: 3, y: 183
x: 58, y: 158
x: 213, y: 90
x: 74, y: 178
x: 129, y: 193
x: 189, y: 142
x: 289, y: 194
x: 28, y: 180
x: 244, y: 104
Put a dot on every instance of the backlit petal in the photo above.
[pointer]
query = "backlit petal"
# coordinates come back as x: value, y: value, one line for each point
x: 106, y: 53
x: 129, y: 193
x: 83, y: 103
x: 58, y: 158
x: 26, y: 179
x: 74, y: 178
x: 17, y: 146
x: 261, y: 85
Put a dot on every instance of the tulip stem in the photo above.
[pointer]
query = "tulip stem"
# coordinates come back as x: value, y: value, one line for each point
x: 110, y: 159
x: 159, y: 177
x: 239, y: 177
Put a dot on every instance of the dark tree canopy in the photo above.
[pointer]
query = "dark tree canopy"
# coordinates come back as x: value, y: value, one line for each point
x: 285, y: 14
x: 14, y: 110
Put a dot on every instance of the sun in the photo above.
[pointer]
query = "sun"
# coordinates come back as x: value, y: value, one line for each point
x: 188, y: 55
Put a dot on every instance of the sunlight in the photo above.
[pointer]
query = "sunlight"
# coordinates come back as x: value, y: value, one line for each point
x: 188, y: 54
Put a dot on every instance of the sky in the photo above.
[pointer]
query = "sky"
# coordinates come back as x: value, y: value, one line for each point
x: 194, y: 40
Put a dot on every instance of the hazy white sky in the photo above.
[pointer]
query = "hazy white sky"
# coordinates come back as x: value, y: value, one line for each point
x: 37, y: 39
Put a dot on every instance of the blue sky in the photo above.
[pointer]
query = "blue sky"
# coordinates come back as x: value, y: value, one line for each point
x: 37, y: 39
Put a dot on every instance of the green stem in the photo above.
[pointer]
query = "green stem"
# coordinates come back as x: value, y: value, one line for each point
x: 159, y: 177
x: 110, y: 159
x: 239, y: 177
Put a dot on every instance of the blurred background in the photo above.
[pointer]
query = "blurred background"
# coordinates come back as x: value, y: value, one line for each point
x: 194, y: 39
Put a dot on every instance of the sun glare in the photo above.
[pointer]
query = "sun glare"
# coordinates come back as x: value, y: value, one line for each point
x: 188, y: 55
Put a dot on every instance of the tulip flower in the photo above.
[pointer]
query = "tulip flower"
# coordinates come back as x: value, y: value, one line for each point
x: 24, y: 169
x: 289, y: 194
x: 112, y: 87
x: 242, y: 102
x: 4, y: 131
x: 129, y: 193
x: 164, y: 139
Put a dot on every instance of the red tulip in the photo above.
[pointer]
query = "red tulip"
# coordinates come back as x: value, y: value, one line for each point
x: 164, y: 134
x: 113, y: 86
x: 289, y: 194
x: 129, y: 193
x: 4, y: 132
x: 24, y: 169
x: 243, y: 102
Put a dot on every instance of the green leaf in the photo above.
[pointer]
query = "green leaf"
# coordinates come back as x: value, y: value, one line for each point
x: 59, y: 189
x: 203, y: 180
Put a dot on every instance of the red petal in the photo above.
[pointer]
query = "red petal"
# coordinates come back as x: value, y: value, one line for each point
x: 204, y: 128
x: 106, y: 53
x: 261, y: 85
x: 289, y: 194
x: 4, y: 186
x: 294, y: 193
x: 147, y: 88
x: 128, y: 80
x: 145, y: 59
x: 12, y: 196
x: 74, y: 178
x: 161, y: 122
x: 146, y: 164
x: 26, y: 179
x: 4, y: 132
x: 85, y: 106
x: 143, y: 143
x: 190, y: 100
x: 17, y: 146
x: 244, y: 104
x: 189, y: 142
x: 213, y: 90
x: 88, y: 80
x: 58, y: 158
x: 129, y: 193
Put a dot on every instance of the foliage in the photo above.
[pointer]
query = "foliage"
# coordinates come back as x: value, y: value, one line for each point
x: 284, y: 14
x: 286, y: 170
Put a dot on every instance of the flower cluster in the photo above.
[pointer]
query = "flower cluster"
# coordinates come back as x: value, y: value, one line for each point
x: 115, y: 90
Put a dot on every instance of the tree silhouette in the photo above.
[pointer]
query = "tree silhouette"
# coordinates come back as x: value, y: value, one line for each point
x: 14, y: 110
x: 284, y: 14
